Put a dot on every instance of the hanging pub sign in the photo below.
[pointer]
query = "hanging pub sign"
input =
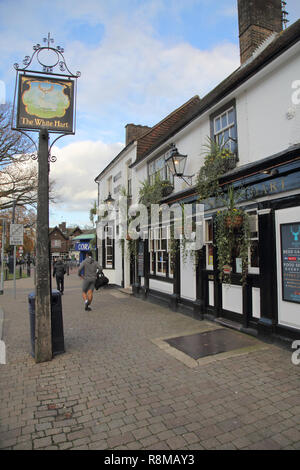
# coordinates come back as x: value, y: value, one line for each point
x: 290, y: 261
x: 45, y: 102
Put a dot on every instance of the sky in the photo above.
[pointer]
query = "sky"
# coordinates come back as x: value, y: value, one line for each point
x: 139, y: 60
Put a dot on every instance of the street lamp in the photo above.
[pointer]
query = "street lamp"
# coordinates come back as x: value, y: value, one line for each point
x: 176, y: 163
x: 109, y: 200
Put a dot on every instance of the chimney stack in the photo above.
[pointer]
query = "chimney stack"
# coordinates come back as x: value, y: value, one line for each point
x: 258, y: 19
x: 63, y: 227
x: 134, y: 131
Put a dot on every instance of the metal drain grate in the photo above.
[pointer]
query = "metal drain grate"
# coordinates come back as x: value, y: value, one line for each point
x: 210, y: 342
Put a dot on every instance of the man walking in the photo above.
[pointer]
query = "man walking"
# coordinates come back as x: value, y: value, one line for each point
x: 59, y: 271
x: 88, y: 272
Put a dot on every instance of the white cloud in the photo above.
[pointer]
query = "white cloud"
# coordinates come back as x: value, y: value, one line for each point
x: 75, y: 170
x: 139, y: 73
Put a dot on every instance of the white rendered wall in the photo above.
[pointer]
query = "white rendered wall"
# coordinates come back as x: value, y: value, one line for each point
x: 256, y: 302
x: 187, y: 277
x: 268, y: 121
x: 211, y: 291
x: 165, y: 287
x: 232, y: 298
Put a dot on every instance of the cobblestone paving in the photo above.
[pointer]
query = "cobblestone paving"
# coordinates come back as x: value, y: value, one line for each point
x: 114, y: 388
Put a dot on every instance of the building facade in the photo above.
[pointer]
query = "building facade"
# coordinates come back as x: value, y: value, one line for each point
x: 60, y: 239
x: 256, y: 112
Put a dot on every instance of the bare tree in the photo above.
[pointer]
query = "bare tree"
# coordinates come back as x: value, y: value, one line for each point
x: 18, y: 182
x: 18, y: 172
x: 12, y: 143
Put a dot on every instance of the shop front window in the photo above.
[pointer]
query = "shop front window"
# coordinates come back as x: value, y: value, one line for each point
x: 254, y: 241
x: 108, y: 247
x: 161, y: 263
x: 209, y: 243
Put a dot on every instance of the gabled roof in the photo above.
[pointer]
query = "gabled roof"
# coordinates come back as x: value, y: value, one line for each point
x: 57, y: 229
x: 71, y: 231
x: 167, y: 126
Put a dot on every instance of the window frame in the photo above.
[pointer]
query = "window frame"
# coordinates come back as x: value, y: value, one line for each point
x: 111, y: 264
x: 208, y: 243
x: 159, y: 252
x: 252, y: 269
x: 231, y: 105
x: 165, y: 174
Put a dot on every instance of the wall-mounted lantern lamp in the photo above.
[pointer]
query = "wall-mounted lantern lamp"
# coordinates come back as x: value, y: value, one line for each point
x: 109, y: 200
x: 176, y: 163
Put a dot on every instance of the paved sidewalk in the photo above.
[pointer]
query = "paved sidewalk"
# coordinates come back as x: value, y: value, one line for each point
x: 117, y: 387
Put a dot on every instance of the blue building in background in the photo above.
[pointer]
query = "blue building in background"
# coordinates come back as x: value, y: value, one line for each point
x: 82, y: 244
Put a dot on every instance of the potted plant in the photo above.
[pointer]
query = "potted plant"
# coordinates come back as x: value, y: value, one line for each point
x: 152, y: 193
x: 232, y: 237
x: 218, y: 159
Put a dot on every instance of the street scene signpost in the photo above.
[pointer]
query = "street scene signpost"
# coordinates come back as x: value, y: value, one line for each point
x: 3, y: 227
x: 16, y: 234
x: 16, y: 237
x: 44, y: 102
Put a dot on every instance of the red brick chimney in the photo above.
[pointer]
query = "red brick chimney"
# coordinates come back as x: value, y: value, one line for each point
x: 134, y: 131
x: 258, y: 19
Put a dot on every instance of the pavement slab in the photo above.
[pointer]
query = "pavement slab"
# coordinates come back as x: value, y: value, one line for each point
x: 120, y: 385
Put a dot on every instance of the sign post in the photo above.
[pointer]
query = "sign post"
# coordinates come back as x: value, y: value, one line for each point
x: 2, y: 257
x: 43, y: 340
x: 15, y: 238
x: 46, y: 104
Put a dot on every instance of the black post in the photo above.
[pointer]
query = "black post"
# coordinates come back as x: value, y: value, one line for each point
x: 43, y: 340
x: 267, y: 262
x: 199, y: 304
x: 175, y: 297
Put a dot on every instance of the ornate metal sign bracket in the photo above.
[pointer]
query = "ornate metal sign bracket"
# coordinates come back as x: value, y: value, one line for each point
x: 54, y: 74
x: 57, y: 60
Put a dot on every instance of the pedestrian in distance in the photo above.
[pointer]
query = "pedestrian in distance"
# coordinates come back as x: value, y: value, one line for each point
x: 59, y: 271
x: 88, y: 270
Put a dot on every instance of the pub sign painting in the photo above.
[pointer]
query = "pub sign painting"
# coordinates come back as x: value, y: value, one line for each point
x: 290, y: 261
x: 45, y: 102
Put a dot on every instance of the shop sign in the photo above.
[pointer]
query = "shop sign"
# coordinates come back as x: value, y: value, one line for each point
x: 254, y: 191
x: 16, y: 234
x: 290, y: 261
x: 227, y: 269
x: 82, y: 246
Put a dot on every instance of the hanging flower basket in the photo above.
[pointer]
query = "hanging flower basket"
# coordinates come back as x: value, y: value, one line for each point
x: 167, y: 188
x: 234, y: 221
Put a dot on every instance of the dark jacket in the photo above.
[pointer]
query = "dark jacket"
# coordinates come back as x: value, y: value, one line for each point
x: 59, y: 269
